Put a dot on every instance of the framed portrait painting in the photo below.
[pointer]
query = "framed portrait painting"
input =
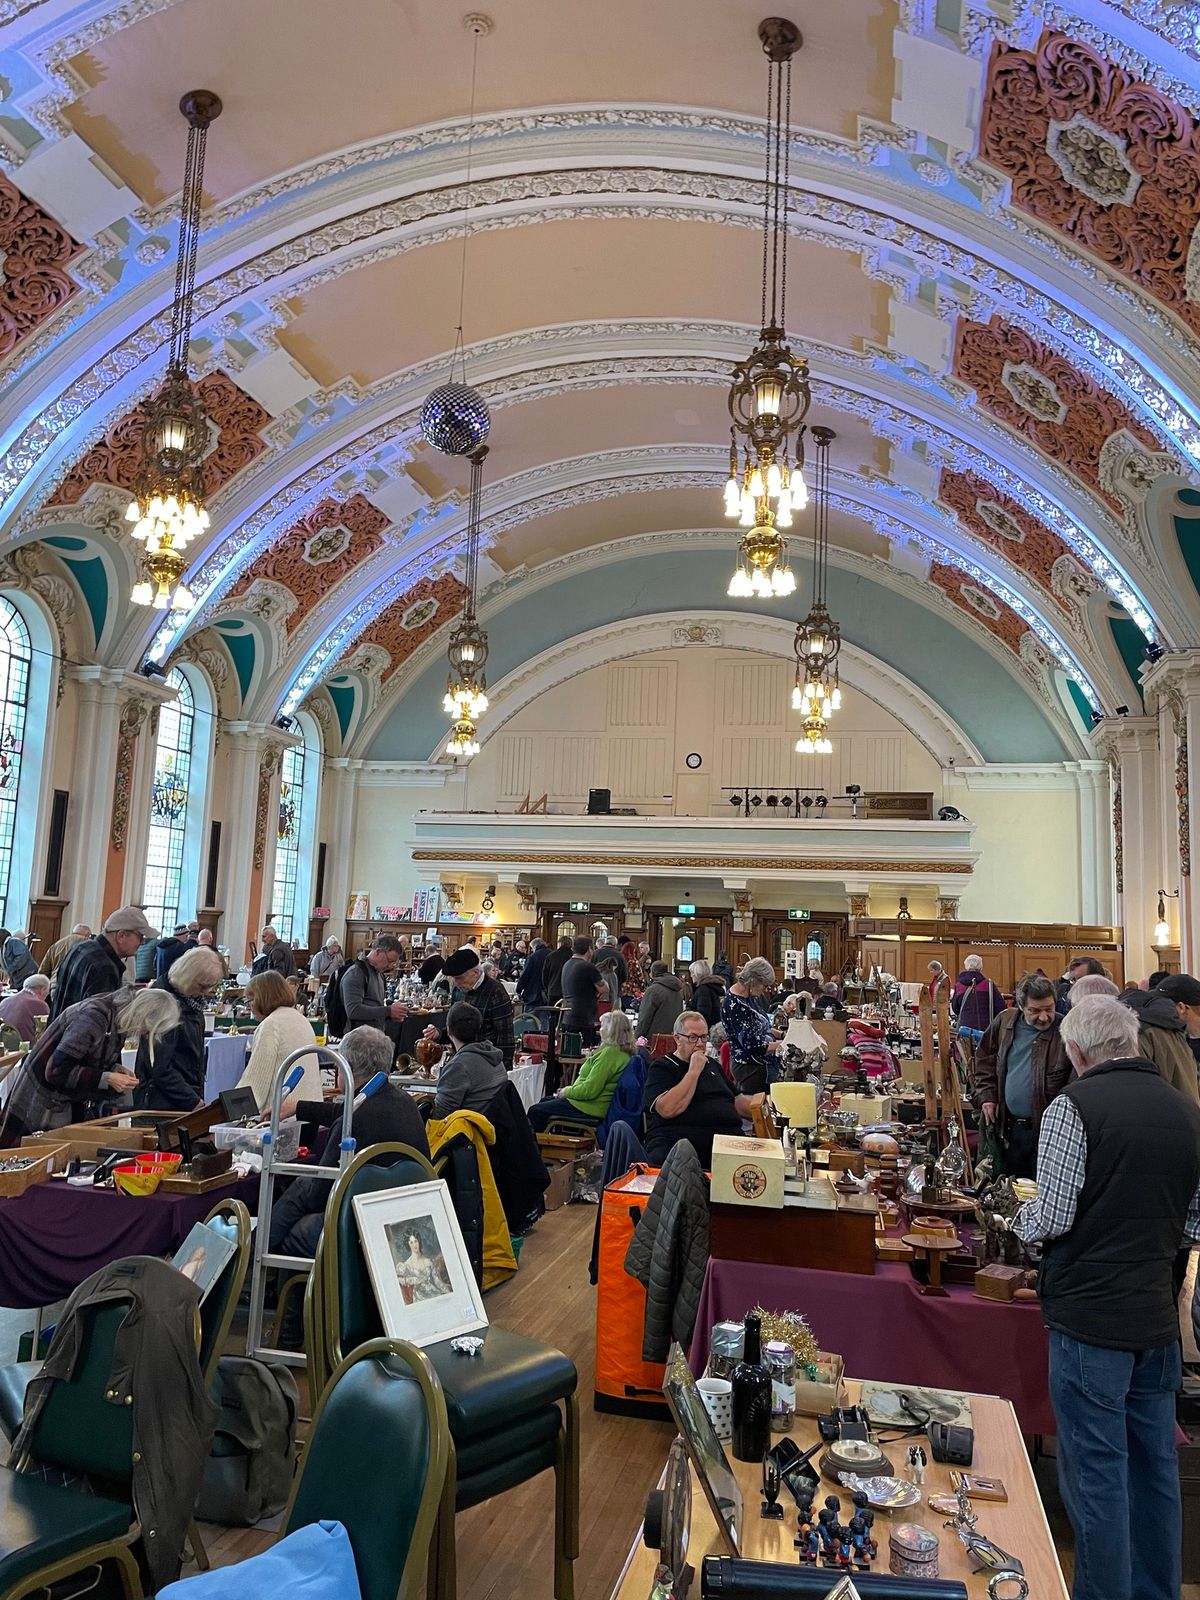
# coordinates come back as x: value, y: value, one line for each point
x: 418, y: 1262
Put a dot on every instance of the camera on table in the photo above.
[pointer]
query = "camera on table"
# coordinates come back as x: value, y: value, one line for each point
x: 845, y: 1422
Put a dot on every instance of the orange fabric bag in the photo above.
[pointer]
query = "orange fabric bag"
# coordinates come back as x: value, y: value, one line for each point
x: 624, y: 1383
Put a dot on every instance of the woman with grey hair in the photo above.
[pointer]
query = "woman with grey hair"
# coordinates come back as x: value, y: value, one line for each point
x: 747, y: 1023
x: 708, y: 991
x: 77, y: 1061
x: 171, y: 1070
x: 587, y: 1100
x: 328, y: 961
x: 975, y: 1001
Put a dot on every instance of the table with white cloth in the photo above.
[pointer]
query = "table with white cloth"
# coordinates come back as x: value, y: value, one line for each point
x: 528, y: 1078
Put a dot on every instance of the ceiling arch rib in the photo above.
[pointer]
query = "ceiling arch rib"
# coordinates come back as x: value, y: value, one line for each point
x: 555, y: 487
x: 974, y: 443
x: 120, y: 376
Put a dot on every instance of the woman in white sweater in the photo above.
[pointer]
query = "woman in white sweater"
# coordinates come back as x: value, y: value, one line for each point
x: 281, y: 1030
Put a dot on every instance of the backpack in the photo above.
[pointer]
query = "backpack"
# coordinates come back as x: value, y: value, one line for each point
x: 335, y: 1006
x: 248, y: 1474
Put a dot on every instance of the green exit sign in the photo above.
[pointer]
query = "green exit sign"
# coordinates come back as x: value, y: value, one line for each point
x: 686, y: 911
x: 581, y: 905
x: 799, y: 914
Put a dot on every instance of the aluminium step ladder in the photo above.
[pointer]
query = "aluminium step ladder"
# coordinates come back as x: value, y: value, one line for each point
x: 264, y: 1258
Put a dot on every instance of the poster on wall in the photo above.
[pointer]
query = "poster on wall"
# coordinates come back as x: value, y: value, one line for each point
x: 358, y: 907
x: 425, y: 904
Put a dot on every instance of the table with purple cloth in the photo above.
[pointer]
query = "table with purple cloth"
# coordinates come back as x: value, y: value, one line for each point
x: 885, y: 1326
x: 53, y: 1236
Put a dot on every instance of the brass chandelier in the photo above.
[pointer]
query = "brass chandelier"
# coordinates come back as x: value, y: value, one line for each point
x: 818, y: 642
x: 167, y: 511
x: 769, y: 396
x: 466, y: 687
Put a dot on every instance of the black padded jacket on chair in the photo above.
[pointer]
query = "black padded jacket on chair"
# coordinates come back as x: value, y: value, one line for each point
x: 517, y: 1164
x: 669, y: 1251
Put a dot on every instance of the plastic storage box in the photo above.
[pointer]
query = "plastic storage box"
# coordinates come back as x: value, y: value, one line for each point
x: 234, y: 1136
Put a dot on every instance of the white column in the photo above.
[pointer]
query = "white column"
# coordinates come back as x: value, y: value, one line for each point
x: 341, y: 773
x: 247, y: 871
x: 1093, y: 814
x: 1173, y: 684
x: 1133, y: 743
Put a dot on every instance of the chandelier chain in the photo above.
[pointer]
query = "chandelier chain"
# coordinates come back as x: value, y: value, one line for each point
x: 459, y: 348
x: 189, y: 243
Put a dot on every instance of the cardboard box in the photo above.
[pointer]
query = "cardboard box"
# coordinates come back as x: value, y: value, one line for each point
x: 559, y: 1191
x: 747, y: 1172
x: 816, y: 1397
x: 44, y: 1159
x: 871, y: 1108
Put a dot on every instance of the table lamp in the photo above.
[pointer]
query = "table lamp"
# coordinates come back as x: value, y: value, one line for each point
x: 796, y: 1104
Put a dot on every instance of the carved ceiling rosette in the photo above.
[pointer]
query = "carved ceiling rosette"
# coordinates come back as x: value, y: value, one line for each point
x: 1006, y: 526
x: 1000, y: 620
x: 35, y: 252
x: 1000, y: 363
x: 317, y: 552
x: 389, y: 632
x: 1069, y: 128
x: 236, y: 422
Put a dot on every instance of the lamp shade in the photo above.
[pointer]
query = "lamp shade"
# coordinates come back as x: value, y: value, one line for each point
x: 796, y: 1101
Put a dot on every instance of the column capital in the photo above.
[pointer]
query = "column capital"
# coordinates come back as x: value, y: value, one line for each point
x: 1178, y: 672
x: 1117, y: 736
x: 262, y: 733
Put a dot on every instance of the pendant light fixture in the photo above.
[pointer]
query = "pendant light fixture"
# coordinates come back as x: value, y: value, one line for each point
x: 466, y: 688
x: 818, y: 642
x: 167, y: 511
x: 769, y: 396
x: 455, y: 417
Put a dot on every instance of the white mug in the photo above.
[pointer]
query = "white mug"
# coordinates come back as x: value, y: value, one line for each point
x: 717, y: 1395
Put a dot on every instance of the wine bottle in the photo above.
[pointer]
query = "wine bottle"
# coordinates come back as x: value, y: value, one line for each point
x: 751, y: 1398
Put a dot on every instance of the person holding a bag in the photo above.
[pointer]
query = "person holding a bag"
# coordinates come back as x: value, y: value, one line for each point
x: 1020, y: 1066
x: 975, y: 1000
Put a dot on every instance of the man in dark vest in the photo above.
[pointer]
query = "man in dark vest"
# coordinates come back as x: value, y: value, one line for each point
x: 1118, y: 1174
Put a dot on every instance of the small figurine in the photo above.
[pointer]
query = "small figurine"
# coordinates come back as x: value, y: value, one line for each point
x: 827, y: 1529
x: 808, y: 1543
x: 833, y: 1505
x: 917, y: 1462
x: 858, y: 1540
x: 867, y: 1517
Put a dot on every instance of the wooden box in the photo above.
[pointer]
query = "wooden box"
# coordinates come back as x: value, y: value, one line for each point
x: 999, y: 1282
x: 890, y: 1248
x: 747, y: 1172
x: 852, y: 1161
x: 565, y: 1146
x: 85, y: 1139
x: 44, y: 1159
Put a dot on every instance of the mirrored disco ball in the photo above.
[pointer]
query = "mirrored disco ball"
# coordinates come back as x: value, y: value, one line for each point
x: 455, y: 420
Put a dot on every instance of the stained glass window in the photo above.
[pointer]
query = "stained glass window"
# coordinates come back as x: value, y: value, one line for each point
x: 15, y: 657
x: 287, y: 845
x: 173, y: 755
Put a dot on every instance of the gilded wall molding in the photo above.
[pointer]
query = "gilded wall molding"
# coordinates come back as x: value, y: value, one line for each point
x: 721, y: 863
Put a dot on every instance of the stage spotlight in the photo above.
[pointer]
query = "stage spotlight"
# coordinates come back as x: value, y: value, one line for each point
x: 1096, y: 717
x: 1154, y: 652
x: 1122, y: 711
x: 787, y: 802
x: 772, y: 799
x: 806, y: 801
x: 950, y: 814
x: 756, y: 799
x: 822, y: 802
x: 735, y: 799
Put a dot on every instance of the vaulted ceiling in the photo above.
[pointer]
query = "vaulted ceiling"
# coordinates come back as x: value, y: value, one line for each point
x: 994, y: 269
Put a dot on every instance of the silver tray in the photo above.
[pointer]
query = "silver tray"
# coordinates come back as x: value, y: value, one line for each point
x: 884, y: 1494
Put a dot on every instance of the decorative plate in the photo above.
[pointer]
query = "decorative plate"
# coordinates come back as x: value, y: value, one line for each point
x: 885, y: 1494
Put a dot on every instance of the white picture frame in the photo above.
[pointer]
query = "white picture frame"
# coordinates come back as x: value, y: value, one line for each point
x: 418, y: 1263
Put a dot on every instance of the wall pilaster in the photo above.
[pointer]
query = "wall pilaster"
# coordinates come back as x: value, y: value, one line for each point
x: 1132, y: 746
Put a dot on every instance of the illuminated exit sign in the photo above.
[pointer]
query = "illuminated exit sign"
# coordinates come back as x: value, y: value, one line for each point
x: 581, y: 905
x: 799, y: 914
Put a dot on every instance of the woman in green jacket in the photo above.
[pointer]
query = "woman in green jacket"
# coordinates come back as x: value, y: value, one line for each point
x: 587, y: 1099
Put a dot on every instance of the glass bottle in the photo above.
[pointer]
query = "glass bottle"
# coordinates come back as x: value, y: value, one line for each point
x: 751, y: 1398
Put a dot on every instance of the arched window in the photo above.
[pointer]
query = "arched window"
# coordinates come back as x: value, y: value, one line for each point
x: 812, y: 953
x: 287, y: 845
x: 299, y: 793
x: 166, y: 882
x: 783, y: 943
x: 566, y: 930
x: 684, y: 947
x: 15, y: 657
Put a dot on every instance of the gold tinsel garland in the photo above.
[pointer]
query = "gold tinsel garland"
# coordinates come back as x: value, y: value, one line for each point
x: 789, y: 1327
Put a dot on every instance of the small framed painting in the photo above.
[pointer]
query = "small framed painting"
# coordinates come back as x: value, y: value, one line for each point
x: 418, y: 1262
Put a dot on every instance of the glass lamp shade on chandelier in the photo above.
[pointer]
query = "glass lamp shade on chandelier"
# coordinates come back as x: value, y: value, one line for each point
x: 818, y: 642
x: 769, y: 395
x: 167, y: 511
x: 466, y: 687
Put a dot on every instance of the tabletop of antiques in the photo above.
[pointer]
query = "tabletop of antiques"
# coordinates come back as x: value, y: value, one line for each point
x: 1018, y: 1526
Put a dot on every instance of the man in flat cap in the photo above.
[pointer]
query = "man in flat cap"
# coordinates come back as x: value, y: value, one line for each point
x: 487, y: 995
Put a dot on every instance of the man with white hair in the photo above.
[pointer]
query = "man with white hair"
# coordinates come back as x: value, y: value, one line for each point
x: 1118, y: 1176
x: 21, y: 1011
x: 52, y: 960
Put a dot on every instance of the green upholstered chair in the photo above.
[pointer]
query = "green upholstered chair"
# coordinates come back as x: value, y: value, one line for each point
x: 386, y: 1497
x: 513, y: 1410
x: 216, y: 1316
x: 49, y: 1532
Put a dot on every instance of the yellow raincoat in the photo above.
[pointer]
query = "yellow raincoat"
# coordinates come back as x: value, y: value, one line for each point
x: 499, y: 1262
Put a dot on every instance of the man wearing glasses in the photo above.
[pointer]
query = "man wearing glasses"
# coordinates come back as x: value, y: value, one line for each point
x: 688, y: 1096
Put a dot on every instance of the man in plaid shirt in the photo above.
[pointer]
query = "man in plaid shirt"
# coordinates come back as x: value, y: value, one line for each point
x: 489, y: 997
x: 1118, y: 1175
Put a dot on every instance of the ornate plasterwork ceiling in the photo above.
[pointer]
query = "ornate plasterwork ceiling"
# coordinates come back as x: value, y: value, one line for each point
x: 953, y: 332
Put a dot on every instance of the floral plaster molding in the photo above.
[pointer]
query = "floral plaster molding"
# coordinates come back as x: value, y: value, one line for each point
x: 35, y: 252
x: 1093, y: 160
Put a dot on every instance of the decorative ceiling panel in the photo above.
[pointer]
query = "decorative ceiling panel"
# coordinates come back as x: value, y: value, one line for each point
x: 1054, y: 405
x: 236, y: 422
x: 35, y: 251
x: 1000, y: 620
x: 411, y: 619
x: 1006, y: 526
x: 317, y: 552
x: 1110, y: 162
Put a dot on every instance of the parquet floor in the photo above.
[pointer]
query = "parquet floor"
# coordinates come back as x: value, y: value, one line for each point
x: 505, y: 1547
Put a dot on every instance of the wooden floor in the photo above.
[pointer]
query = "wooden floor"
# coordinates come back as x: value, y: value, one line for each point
x: 505, y: 1547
